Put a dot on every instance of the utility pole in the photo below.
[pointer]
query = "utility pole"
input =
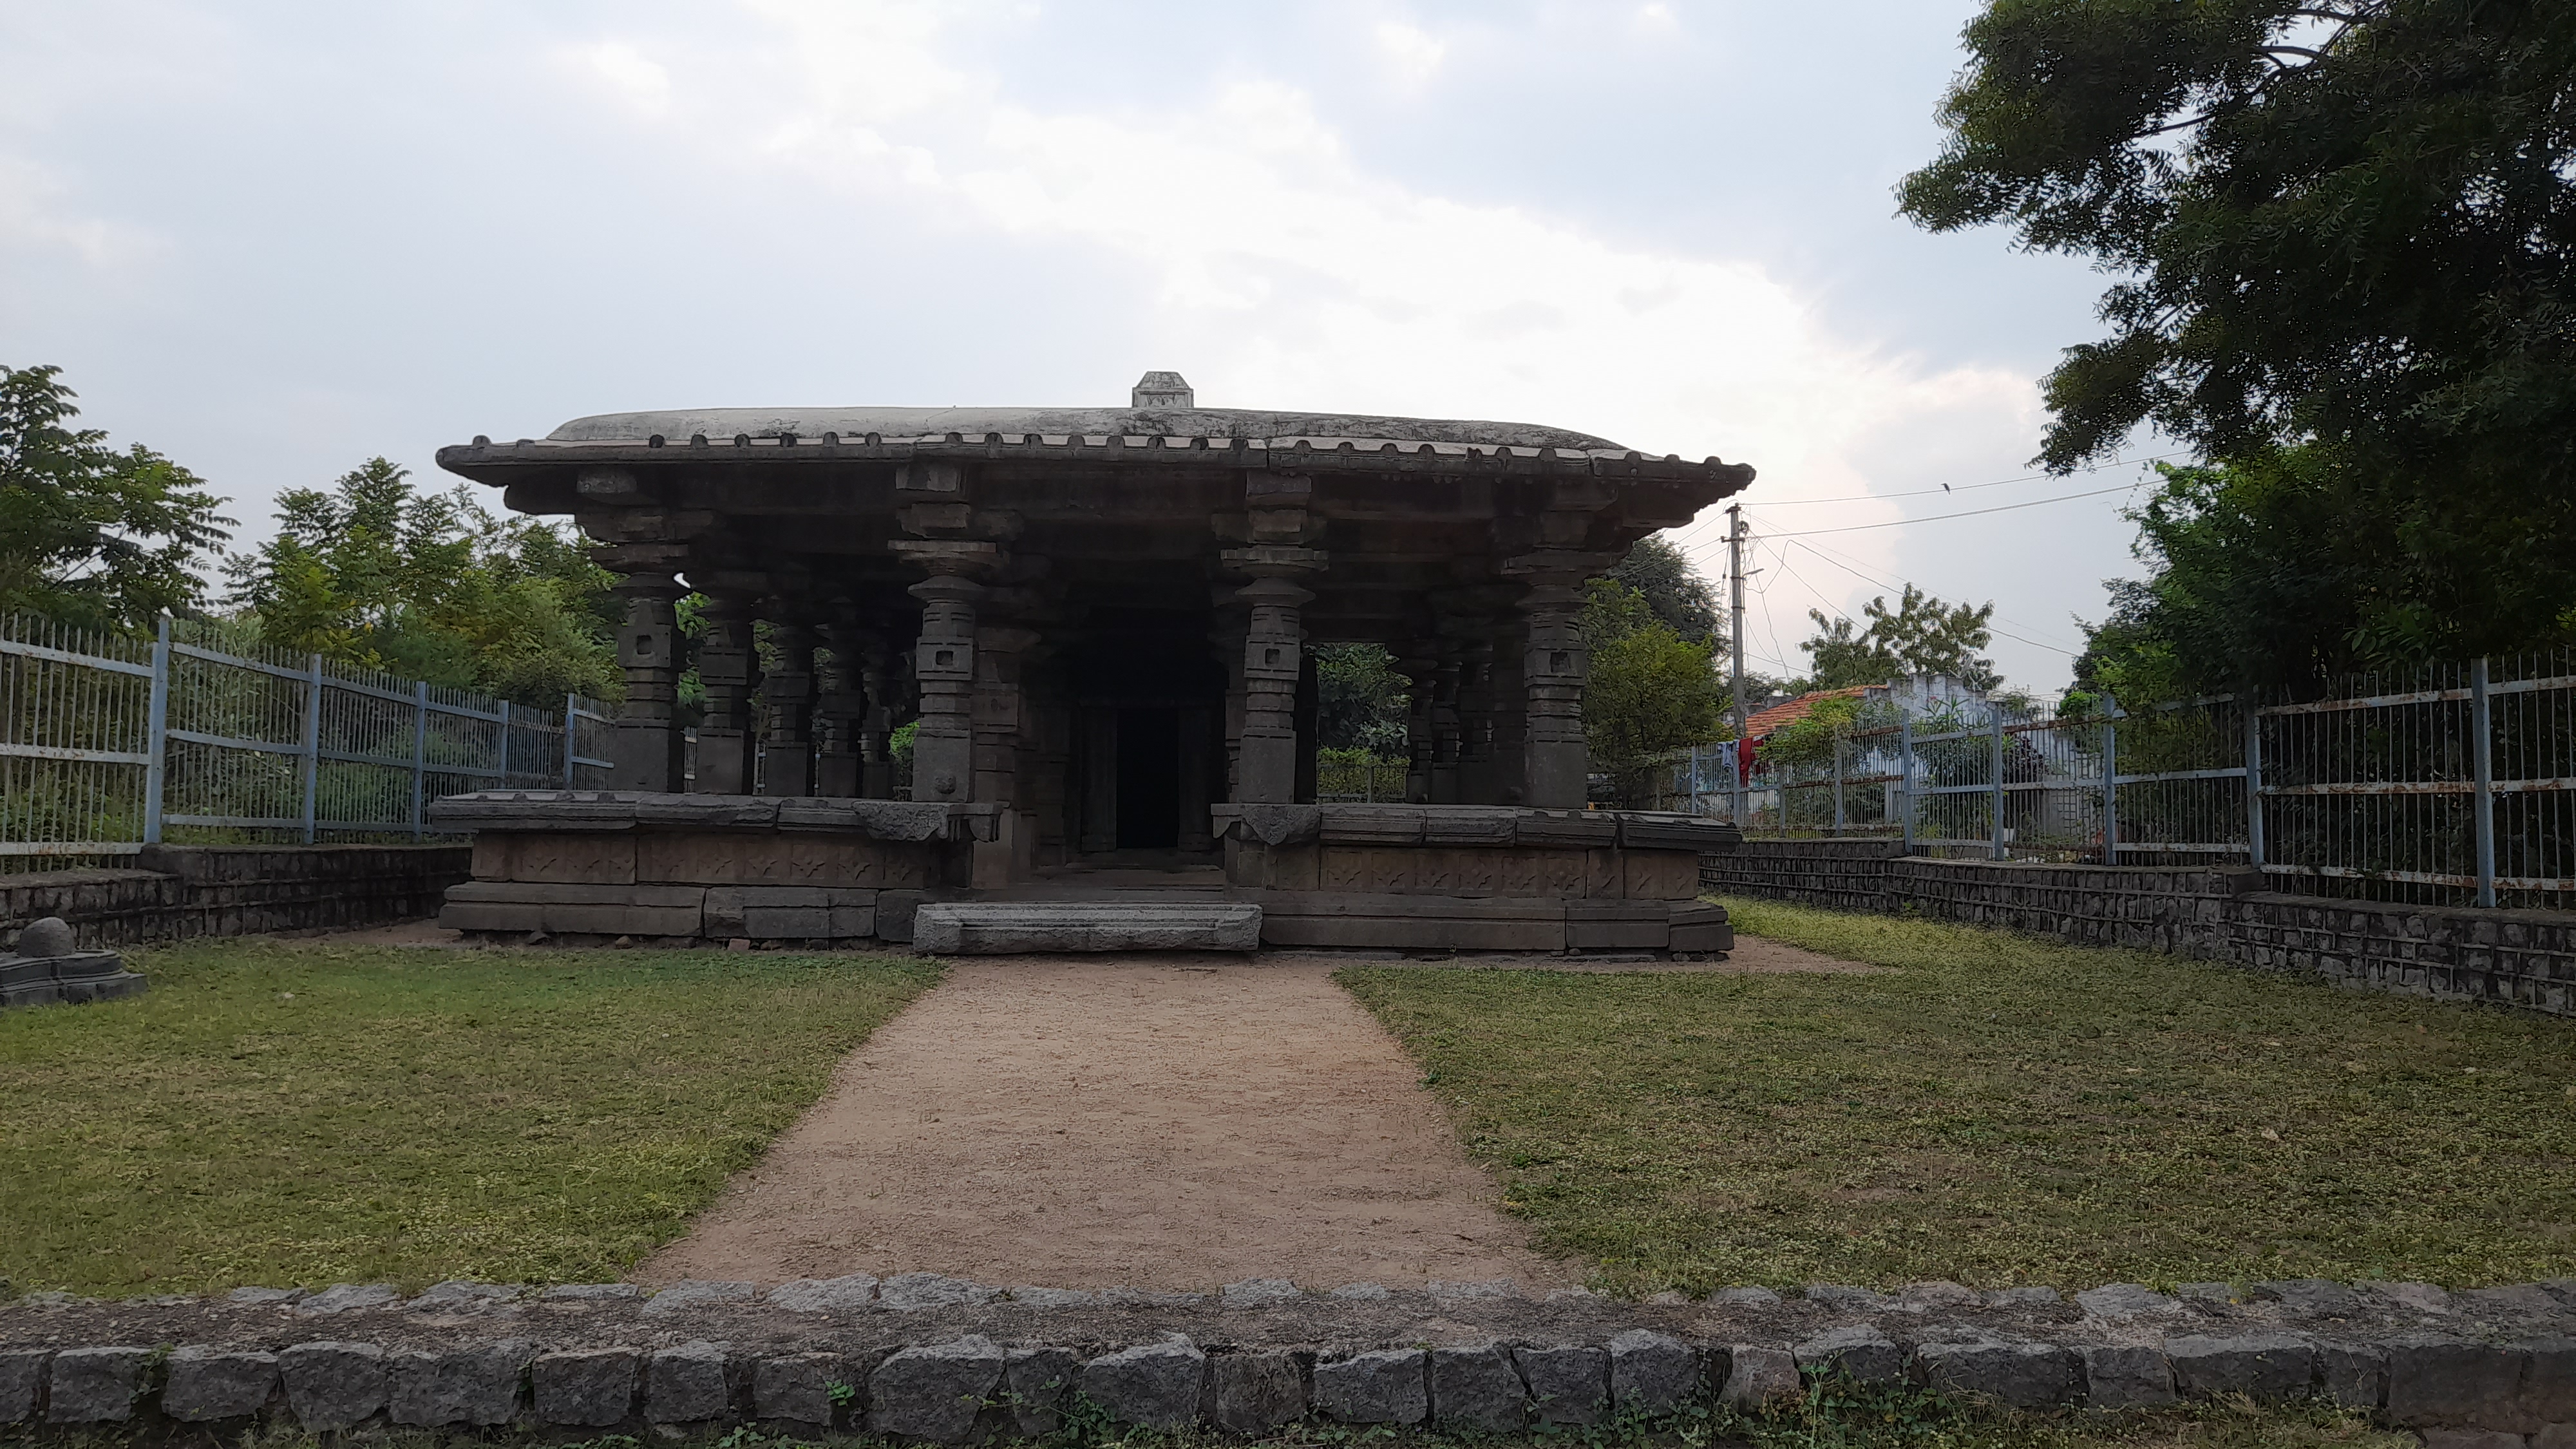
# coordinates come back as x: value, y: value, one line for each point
x: 1735, y: 657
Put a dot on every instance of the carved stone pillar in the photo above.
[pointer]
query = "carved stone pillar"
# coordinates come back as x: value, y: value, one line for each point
x: 1553, y: 667
x: 1230, y: 634
x: 1510, y: 714
x: 998, y: 713
x: 840, y: 708
x: 787, y: 708
x: 647, y: 743
x: 943, y: 667
x: 729, y: 667
x: 1476, y: 785
x: 1447, y: 729
x: 878, y: 677
x: 1421, y: 670
x: 1310, y: 719
x: 1273, y: 658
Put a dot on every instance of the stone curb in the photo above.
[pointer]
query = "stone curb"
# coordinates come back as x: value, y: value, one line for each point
x: 2505, y: 1379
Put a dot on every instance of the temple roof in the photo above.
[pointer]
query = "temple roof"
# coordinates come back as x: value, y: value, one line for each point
x: 1225, y: 424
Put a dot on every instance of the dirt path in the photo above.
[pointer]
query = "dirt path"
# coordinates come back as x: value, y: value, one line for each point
x: 1153, y: 1122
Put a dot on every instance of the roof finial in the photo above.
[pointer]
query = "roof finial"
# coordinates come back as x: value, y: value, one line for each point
x: 1162, y: 390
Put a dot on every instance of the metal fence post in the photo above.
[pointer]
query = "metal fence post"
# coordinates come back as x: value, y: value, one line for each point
x: 1995, y: 715
x: 571, y: 715
x: 1838, y: 782
x: 2482, y: 759
x: 2253, y: 779
x: 419, y: 755
x: 505, y: 745
x: 2110, y: 780
x: 156, y: 735
x: 1905, y: 773
x: 312, y: 747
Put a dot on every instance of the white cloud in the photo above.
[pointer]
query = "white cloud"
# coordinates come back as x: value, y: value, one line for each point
x: 641, y: 81
x: 1412, y: 52
x: 37, y: 214
x: 1285, y: 274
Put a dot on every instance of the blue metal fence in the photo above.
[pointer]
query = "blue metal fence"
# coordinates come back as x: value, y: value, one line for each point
x: 109, y: 743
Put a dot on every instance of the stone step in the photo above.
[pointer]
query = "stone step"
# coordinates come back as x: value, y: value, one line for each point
x: 1012, y: 928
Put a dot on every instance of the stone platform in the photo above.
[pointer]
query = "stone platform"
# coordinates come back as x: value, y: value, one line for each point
x: 662, y: 869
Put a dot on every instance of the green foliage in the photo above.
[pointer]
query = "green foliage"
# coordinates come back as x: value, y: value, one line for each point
x: 1809, y: 739
x: 89, y: 535
x: 433, y: 587
x: 287, y: 1112
x: 1650, y: 694
x: 1673, y: 587
x: 2274, y: 574
x: 1360, y: 699
x: 1921, y: 635
x: 2344, y: 226
x: 1992, y: 1109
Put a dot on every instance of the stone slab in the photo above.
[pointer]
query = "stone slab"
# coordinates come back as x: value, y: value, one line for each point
x: 999, y: 928
x: 560, y: 909
x: 800, y: 913
x: 208, y: 1384
x: 94, y: 1385
x: 1381, y: 1386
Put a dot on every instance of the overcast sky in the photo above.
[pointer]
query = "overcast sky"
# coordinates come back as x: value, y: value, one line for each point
x: 275, y: 239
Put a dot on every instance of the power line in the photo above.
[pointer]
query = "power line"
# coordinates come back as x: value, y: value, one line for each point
x: 1963, y: 487
x: 1965, y: 513
x: 1901, y: 586
x: 1850, y: 565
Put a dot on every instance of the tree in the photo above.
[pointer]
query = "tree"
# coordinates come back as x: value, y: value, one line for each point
x: 2255, y: 581
x: 435, y: 587
x: 1673, y: 587
x: 2346, y: 227
x: 1921, y: 635
x: 1360, y: 699
x: 90, y: 535
x: 1651, y: 693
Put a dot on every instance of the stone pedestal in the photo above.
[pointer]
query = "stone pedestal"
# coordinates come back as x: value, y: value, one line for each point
x: 47, y: 967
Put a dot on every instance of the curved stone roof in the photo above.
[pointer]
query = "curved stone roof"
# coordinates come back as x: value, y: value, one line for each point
x: 724, y: 424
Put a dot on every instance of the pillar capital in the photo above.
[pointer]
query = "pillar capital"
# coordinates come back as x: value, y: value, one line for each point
x: 1275, y: 560
x: 951, y: 557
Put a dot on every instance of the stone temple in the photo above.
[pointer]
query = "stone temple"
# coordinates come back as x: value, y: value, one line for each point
x: 1103, y: 622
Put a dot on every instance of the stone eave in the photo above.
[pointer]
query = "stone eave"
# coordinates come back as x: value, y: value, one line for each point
x: 501, y: 463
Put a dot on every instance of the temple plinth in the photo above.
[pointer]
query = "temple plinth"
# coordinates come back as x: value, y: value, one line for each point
x: 1100, y: 625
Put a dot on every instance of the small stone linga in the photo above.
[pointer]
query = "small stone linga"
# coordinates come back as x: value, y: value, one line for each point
x: 48, y: 967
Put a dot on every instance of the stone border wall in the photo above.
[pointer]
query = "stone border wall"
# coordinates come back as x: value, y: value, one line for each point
x: 177, y: 891
x: 941, y: 1360
x: 2512, y: 958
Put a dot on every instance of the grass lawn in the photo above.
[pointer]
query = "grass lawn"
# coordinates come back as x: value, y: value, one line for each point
x: 302, y: 1113
x: 2000, y: 1109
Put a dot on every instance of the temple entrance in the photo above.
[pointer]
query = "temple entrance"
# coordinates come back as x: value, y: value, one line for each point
x: 1149, y: 779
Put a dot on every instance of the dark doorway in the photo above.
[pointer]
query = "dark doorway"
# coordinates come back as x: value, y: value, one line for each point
x: 1149, y: 779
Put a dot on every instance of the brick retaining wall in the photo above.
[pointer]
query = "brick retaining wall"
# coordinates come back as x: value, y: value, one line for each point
x: 237, y: 890
x: 2515, y: 958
